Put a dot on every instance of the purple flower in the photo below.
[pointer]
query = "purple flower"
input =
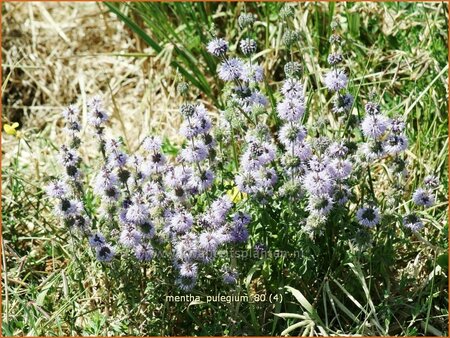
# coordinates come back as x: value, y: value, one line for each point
x: 252, y: 73
x: 231, y: 69
x: 188, y: 269
x: 431, y: 181
x: 303, y: 151
x: 137, y: 212
x: 248, y: 46
x: 186, y: 248
x: 230, y: 277
x: 422, y: 197
x: 195, y: 153
x: 217, y: 47
x: 292, y: 89
x: 320, y: 205
x: 66, y: 208
x: 239, y: 233
x: 181, y: 222
x: 372, y: 108
x: 318, y: 183
x: 152, y: 143
x: 368, y: 216
x: 71, y: 114
x: 396, y: 144
x: 343, y: 103
x: 292, y: 134
x: 220, y: 208
x: 334, y: 59
x: 246, y: 182
x: 130, y: 237
x: 340, y: 168
x: 397, y: 125
x: 208, y: 242
x: 68, y: 157
x: 186, y: 284
x: 96, y: 115
x: 201, y: 181
x: 144, y: 252
x: 241, y: 218
x: 337, y: 149
x: 266, y: 177
x: 104, y: 180
x: 374, y: 126
x: 57, y: 189
x: 291, y: 109
x: 105, y: 253
x: 336, y: 80
x: 413, y: 222
x: 97, y: 240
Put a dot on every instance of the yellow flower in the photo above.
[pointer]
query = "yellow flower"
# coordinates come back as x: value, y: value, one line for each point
x: 235, y: 195
x: 11, y: 129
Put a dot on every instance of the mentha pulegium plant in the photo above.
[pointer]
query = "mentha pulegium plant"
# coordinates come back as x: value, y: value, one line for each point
x: 146, y: 202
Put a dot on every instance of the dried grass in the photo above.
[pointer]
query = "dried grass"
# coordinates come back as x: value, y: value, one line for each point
x: 55, y: 54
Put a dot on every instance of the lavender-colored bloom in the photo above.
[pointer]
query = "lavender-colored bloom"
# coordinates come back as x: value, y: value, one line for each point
x: 246, y: 182
x: 431, y: 181
x: 292, y: 88
x: 372, y: 108
x: 68, y: 157
x: 239, y: 233
x: 220, y: 208
x: 66, y: 208
x: 195, y: 153
x: 368, y: 216
x: 186, y: 248
x: 152, y: 143
x: 155, y: 164
x: 292, y: 134
x: 104, y: 180
x: 97, y: 240
x: 241, y: 218
x: 413, y: 222
x: 112, y: 145
x: 96, y: 115
x: 186, y: 284
x: 188, y: 269
x: 291, y: 109
x: 231, y: 69
x: 137, y: 212
x: 318, y: 183
x: 208, y: 242
x: 57, y: 189
x: 397, y: 125
x: 105, y: 253
x: 201, y: 181
x: 335, y: 58
x: 320, y: 205
x: 318, y: 163
x: 144, y: 252
x: 230, y: 277
x: 343, y: 103
x: 178, y: 176
x: 342, y: 194
x: 340, y: 168
x: 248, y: 46
x: 374, y: 126
x: 423, y: 197
x: 336, y: 80
x: 217, y: 47
x: 373, y: 150
x: 396, y: 144
x: 71, y: 113
x: 266, y: 177
x: 337, y: 149
x: 130, y: 237
x: 181, y: 222
x: 252, y: 73
x: 117, y: 160
x: 303, y: 151
x: 293, y: 69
